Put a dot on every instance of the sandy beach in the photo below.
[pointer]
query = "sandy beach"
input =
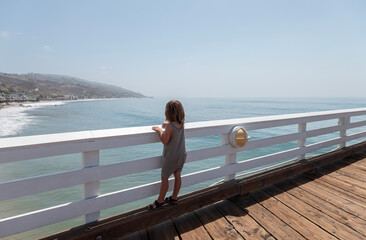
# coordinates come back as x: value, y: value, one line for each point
x: 11, y: 104
x: 29, y: 103
x: 21, y: 104
x: 24, y: 104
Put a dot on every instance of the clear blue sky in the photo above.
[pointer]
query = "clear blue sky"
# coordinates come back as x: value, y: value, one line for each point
x: 195, y: 48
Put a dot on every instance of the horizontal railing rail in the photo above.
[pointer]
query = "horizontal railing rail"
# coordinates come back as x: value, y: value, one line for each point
x: 90, y: 143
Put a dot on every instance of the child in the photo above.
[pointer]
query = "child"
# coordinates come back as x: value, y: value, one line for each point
x: 174, y: 152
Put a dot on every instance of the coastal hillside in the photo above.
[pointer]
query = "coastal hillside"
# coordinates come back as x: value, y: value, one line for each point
x: 34, y: 86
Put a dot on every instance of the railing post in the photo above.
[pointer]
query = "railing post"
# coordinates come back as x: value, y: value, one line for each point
x: 343, y: 133
x: 301, y: 142
x: 91, y: 189
x: 230, y: 158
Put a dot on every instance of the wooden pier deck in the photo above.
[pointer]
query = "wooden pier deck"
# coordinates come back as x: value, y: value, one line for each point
x: 328, y: 203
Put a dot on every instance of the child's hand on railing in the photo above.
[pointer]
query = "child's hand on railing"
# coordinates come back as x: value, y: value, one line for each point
x: 163, y: 125
x: 156, y: 129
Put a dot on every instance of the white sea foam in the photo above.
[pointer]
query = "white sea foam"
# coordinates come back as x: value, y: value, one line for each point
x: 14, y: 119
x: 43, y: 104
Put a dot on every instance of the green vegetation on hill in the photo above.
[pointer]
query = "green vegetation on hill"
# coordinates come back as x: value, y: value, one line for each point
x: 34, y: 86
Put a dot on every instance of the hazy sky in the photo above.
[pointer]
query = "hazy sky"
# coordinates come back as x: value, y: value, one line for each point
x: 193, y: 48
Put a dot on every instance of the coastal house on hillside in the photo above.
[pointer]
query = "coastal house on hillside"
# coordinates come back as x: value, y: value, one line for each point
x: 16, y: 97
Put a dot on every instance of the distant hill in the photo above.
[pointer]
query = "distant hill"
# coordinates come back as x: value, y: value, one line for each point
x: 46, y: 86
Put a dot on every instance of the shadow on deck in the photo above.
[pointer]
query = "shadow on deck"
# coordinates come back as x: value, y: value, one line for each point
x: 321, y: 198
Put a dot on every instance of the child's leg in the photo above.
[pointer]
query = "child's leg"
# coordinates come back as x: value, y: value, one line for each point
x: 177, y: 184
x: 163, y: 189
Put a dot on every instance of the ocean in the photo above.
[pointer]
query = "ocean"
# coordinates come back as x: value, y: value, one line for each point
x: 59, y: 117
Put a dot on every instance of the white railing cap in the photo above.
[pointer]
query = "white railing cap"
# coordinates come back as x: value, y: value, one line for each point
x: 85, y: 136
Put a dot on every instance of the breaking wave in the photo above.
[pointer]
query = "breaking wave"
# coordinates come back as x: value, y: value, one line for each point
x: 14, y: 119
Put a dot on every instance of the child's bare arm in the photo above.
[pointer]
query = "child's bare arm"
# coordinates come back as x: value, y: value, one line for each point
x: 164, y: 136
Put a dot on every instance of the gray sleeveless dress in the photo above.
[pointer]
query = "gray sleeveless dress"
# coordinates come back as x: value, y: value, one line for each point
x: 174, y: 152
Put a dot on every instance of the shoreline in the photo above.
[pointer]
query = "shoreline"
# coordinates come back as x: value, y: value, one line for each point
x: 27, y: 104
x: 12, y: 104
x: 21, y: 104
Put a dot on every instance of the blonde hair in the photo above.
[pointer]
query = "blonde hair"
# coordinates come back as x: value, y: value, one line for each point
x: 174, y: 111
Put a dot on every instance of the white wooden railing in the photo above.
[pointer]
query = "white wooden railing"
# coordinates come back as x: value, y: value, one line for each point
x: 89, y: 143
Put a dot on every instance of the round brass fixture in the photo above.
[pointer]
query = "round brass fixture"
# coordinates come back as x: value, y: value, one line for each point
x: 238, y: 136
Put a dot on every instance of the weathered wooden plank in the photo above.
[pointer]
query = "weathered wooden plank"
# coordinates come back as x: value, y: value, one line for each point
x: 361, y: 163
x: 242, y: 222
x: 337, y: 190
x: 360, y: 176
x: 347, y: 205
x: 358, y: 166
x: 272, y: 176
x: 333, y: 227
x: 216, y: 224
x: 352, y: 164
x: 189, y: 227
x: 316, y: 176
x: 297, y: 221
x: 163, y: 231
x: 269, y: 221
x: 357, y: 159
x: 322, y: 205
x: 356, y: 173
x: 343, y: 177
